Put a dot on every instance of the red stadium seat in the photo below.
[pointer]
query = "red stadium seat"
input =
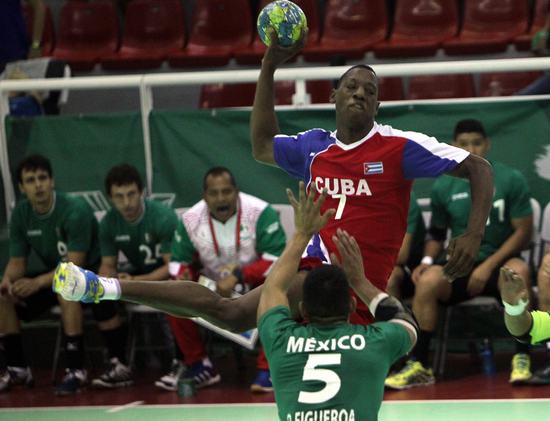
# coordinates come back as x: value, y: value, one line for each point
x: 441, y: 86
x: 153, y: 30
x: 523, y: 41
x: 489, y: 26
x: 253, y: 53
x: 419, y: 28
x: 504, y: 84
x: 48, y: 34
x: 390, y: 89
x: 242, y: 94
x: 351, y: 27
x: 219, y: 27
x: 87, y: 31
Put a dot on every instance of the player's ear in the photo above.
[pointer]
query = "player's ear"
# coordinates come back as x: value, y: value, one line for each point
x: 302, y: 310
x: 332, y: 97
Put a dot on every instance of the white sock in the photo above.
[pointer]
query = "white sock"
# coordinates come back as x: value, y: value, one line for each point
x: 111, y: 288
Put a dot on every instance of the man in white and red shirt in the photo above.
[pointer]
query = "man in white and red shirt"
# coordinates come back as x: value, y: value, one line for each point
x: 232, y: 238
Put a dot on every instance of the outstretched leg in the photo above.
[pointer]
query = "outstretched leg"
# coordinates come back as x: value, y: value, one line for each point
x: 179, y: 298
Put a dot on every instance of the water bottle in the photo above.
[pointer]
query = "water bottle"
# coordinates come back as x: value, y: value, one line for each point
x: 487, y: 358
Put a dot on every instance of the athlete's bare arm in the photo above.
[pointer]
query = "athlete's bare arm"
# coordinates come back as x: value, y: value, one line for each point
x: 308, y: 221
x: 263, y: 121
x: 463, y: 249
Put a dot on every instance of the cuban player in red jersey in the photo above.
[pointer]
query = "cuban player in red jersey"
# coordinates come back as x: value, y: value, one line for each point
x: 367, y: 169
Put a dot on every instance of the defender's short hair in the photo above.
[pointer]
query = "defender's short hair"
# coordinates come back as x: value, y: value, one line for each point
x: 326, y: 292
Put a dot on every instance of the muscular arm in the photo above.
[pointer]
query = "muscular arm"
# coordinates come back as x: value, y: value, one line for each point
x: 282, y: 273
x: 463, y: 249
x: 263, y: 121
x: 405, y: 250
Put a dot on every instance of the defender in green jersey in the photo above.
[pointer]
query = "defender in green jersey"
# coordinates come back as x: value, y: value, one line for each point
x: 48, y: 227
x: 410, y: 254
x: 508, y: 231
x: 328, y: 368
x: 142, y: 230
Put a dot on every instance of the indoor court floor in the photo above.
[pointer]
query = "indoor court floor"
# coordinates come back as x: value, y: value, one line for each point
x: 448, y: 410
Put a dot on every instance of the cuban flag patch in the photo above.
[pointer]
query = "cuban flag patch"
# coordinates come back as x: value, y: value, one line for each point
x: 373, y: 167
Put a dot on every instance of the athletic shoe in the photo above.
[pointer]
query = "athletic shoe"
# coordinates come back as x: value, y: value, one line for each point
x: 170, y: 380
x: 541, y: 377
x: 76, y: 284
x: 116, y: 375
x: 521, y: 369
x: 262, y: 382
x: 14, y: 376
x: 73, y: 381
x: 413, y: 374
x: 203, y: 374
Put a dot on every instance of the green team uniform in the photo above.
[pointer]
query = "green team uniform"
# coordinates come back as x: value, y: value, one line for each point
x: 144, y: 241
x: 451, y: 202
x: 70, y: 226
x: 416, y: 227
x: 329, y: 372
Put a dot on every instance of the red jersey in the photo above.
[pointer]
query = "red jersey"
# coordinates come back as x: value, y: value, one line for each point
x: 368, y: 183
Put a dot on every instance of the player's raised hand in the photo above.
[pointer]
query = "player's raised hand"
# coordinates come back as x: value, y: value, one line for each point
x: 511, y: 286
x: 307, y: 210
x: 276, y: 55
x: 350, y: 259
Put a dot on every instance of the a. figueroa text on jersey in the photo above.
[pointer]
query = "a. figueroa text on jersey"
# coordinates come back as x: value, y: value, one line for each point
x: 323, y: 415
x: 345, y: 186
x: 300, y: 344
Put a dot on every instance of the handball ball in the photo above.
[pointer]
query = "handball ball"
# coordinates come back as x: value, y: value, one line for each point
x: 286, y: 18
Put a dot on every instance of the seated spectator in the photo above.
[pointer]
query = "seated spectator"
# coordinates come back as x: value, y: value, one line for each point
x: 232, y: 238
x: 508, y: 231
x: 400, y: 283
x: 142, y: 230
x: 53, y: 227
x: 540, y: 46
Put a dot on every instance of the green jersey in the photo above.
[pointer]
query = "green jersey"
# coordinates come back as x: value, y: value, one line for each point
x: 451, y: 202
x: 144, y: 241
x: 326, y: 372
x: 416, y: 227
x: 70, y: 226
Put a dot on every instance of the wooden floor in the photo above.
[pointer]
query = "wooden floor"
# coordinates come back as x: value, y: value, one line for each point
x: 463, y: 380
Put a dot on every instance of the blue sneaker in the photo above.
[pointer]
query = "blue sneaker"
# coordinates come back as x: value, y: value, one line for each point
x: 203, y: 374
x: 73, y: 381
x: 262, y: 382
x: 76, y: 284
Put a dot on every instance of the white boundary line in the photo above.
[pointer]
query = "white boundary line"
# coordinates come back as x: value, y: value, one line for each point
x: 138, y: 404
x: 126, y: 406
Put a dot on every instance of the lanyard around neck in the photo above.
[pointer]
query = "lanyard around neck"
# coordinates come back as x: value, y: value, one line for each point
x: 237, y: 231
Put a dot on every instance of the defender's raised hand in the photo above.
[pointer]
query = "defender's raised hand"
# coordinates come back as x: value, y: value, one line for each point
x: 307, y: 210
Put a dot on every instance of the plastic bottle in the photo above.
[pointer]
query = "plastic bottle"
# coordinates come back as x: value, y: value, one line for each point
x: 487, y: 358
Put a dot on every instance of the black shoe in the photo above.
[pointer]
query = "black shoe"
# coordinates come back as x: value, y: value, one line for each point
x: 117, y: 375
x: 74, y: 381
x: 541, y: 377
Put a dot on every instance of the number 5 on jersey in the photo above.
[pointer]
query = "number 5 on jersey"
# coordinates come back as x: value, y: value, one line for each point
x: 329, y: 377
